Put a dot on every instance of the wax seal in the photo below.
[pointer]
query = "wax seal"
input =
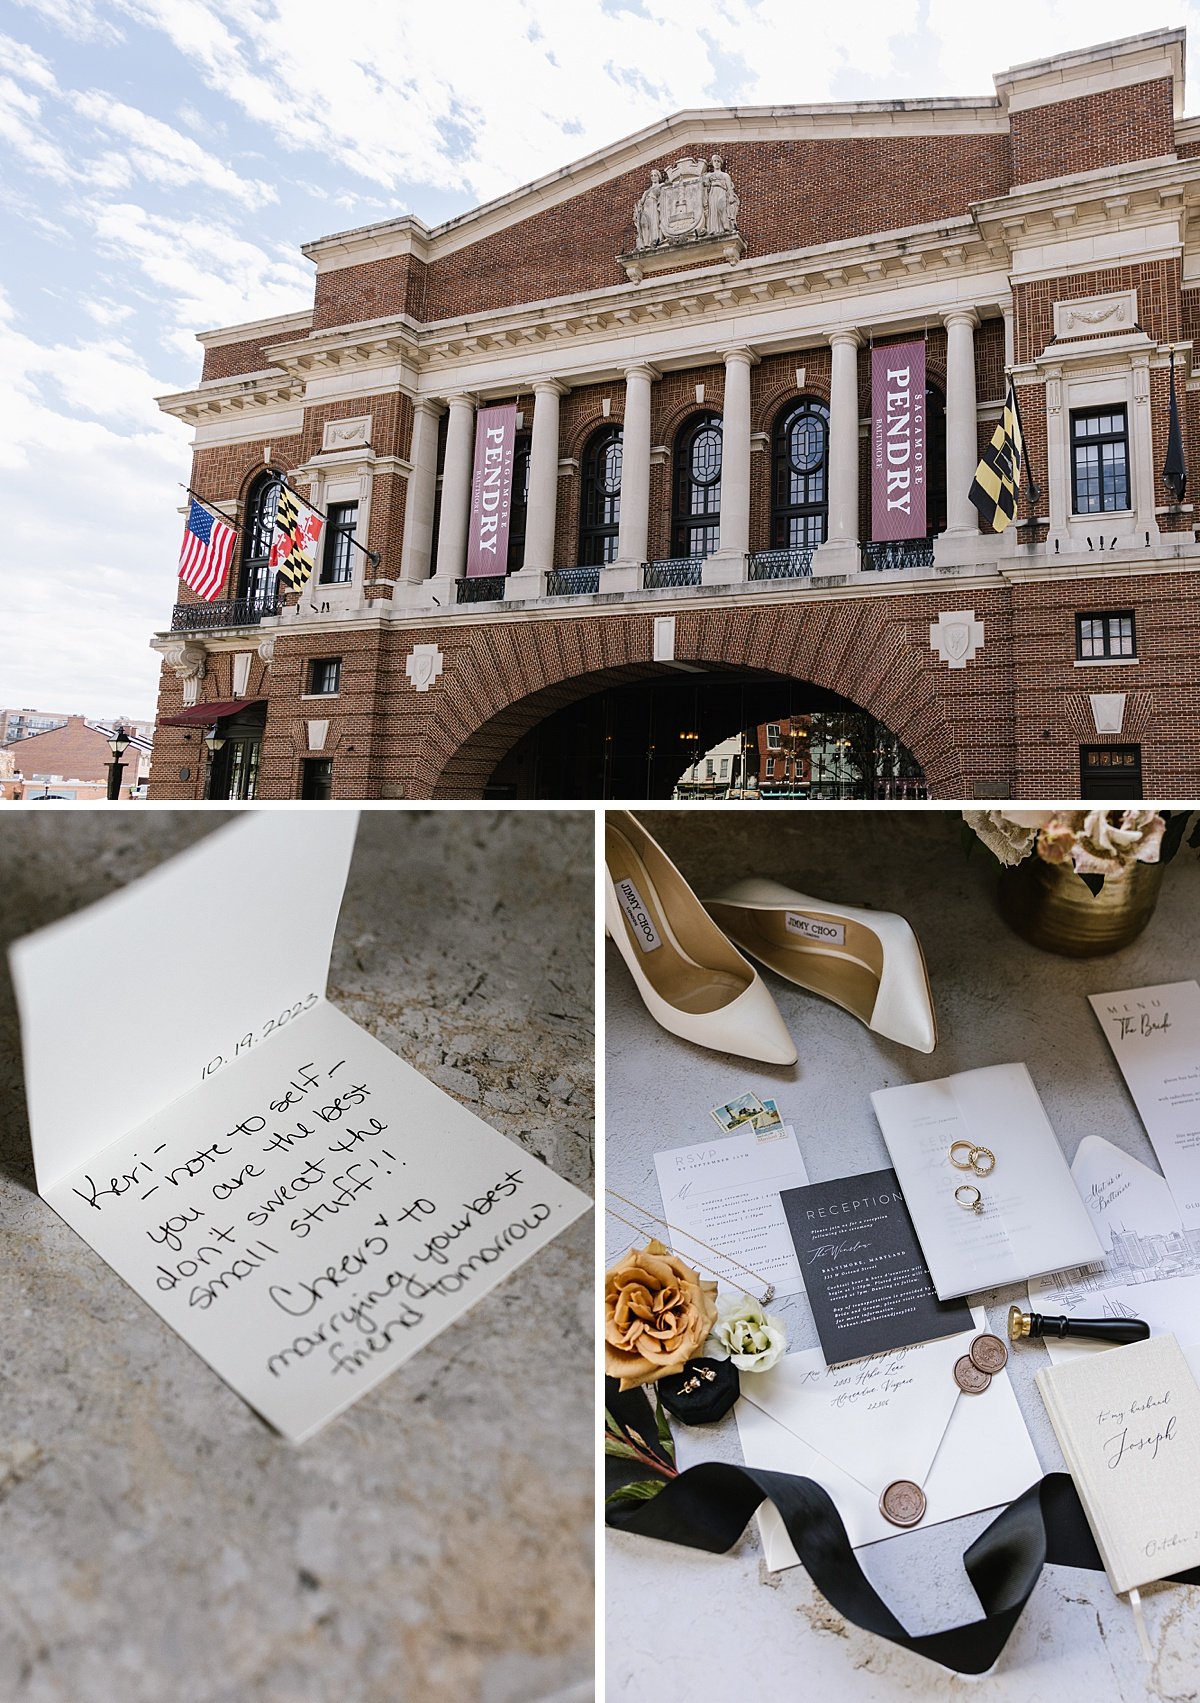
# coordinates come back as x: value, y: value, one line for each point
x: 989, y: 1353
x: 969, y: 1378
x: 903, y: 1503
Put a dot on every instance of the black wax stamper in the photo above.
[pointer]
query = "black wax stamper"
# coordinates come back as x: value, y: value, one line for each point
x: 1022, y: 1325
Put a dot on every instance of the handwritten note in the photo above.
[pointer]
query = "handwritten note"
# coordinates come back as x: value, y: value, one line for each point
x: 1154, y: 1033
x: 310, y: 1213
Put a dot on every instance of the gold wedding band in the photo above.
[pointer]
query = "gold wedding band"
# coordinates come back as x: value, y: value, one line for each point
x: 973, y: 1201
x: 974, y: 1156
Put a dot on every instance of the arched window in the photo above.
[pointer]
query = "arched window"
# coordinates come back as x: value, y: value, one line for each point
x: 256, y: 582
x: 697, y: 527
x: 800, y: 484
x: 935, y: 461
x: 600, y: 500
x: 519, y: 512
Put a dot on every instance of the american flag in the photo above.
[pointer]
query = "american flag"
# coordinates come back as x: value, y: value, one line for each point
x: 207, y: 547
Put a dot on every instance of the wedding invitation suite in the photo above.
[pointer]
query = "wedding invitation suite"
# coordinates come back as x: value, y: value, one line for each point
x: 867, y: 1284
x: 301, y: 1206
x: 724, y: 1196
x: 1154, y: 1033
x: 855, y: 1429
x: 1128, y: 1424
x: 1031, y: 1219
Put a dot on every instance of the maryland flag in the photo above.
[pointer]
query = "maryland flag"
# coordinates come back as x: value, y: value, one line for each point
x: 297, y: 529
x: 997, y: 481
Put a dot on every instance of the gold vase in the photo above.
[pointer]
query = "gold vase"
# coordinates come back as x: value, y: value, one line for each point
x: 1051, y: 907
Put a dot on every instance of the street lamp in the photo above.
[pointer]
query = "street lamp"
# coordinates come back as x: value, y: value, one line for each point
x: 118, y: 745
x: 214, y: 742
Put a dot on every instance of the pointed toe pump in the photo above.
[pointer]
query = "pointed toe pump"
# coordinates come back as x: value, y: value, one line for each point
x: 868, y: 962
x: 692, y: 981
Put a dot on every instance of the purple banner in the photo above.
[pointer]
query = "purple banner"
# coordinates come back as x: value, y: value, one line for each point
x: 491, y: 491
x: 898, y: 441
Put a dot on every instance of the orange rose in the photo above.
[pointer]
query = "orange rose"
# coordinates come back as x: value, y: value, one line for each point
x: 657, y: 1314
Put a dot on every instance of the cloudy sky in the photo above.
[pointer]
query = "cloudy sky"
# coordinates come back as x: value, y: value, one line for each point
x: 162, y: 160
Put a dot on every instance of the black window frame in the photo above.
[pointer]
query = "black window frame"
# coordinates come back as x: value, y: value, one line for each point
x: 337, y: 558
x: 319, y: 790
x: 1082, y: 441
x: 518, y: 509
x: 257, y: 581
x: 319, y: 662
x: 799, y: 496
x: 599, y: 505
x: 696, y: 531
x: 1094, y: 774
x: 1107, y: 653
x: 937, y: 511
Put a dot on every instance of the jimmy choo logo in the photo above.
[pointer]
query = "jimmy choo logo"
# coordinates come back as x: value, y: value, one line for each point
x: 824, y: 933
x: 644, y: 931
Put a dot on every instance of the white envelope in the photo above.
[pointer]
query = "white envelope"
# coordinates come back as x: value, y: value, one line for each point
x: 967, y: 1452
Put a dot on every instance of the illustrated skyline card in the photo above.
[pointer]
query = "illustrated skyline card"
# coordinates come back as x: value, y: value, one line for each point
x: 866, y: 1279
x: 303, y: 1207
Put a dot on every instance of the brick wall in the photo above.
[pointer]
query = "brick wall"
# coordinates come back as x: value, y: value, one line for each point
x: 1106, y: 129
x: 347, y: 295
x: 227, y: 360
x: 1158, y: 284
x: 76, y: 752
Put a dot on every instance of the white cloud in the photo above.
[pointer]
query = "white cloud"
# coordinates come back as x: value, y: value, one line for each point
x: 163, y: 155
x: 79, y: 19
x: 22, y: 127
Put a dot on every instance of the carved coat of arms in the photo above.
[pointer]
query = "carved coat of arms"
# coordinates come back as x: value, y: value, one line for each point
x: 695, y: 199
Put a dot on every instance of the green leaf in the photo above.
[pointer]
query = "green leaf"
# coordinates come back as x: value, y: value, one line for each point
x: 644, y: 1490
x: 614, y: 1446
x: 610, y: 1424
x: 664, y: 1432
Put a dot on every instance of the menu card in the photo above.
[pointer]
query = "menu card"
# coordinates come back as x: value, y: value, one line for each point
x: 1128, y: 1423
x: 1154, y: 1033
x: 867, y: 1283
x: 1032, y: 1218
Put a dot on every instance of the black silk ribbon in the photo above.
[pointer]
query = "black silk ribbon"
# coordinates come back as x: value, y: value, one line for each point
x: 709, y: 1507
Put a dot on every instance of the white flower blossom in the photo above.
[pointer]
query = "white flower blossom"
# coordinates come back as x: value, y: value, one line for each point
x: 753, y: 1339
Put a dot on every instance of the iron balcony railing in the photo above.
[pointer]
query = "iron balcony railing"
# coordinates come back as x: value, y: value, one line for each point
x: 899, y: 553
x: 235, y: 612
x: 782, y: 564
x: 487, y: 588
x: 573, y: 582
x: 672, y: 570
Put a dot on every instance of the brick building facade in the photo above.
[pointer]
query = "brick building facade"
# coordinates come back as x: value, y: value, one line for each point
x: 1046, y: 230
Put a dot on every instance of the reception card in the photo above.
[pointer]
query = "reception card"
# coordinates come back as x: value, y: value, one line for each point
x: 867, y: 1283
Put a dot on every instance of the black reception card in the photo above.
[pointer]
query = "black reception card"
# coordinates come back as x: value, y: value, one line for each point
x: 867, y: 1282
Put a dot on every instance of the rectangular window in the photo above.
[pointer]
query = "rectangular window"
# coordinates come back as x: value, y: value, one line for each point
x: 1110, y: 771
x: 773, y: 739
x: 724, y: 768
x: 325, y: 675
x: 1099, y: 461
x: 316, y: 777
x: 337, y: 564
x: 770, y: 766
x: 1103, y: 635
x: 710, y: 768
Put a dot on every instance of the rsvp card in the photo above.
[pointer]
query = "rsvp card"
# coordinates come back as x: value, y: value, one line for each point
x: 301, y: 1206
x: 1154, y: 1033
x: 722, y: 1198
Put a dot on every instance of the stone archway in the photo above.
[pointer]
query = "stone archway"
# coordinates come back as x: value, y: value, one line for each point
x: 863, y: 653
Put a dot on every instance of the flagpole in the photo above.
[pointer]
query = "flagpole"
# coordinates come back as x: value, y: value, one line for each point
x: 208, y: 507
x: 1032, y: 490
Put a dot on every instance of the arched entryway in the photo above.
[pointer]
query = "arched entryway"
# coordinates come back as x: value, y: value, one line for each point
x: 700, y: 732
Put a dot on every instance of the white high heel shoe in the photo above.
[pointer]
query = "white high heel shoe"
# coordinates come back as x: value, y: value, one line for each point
x: 868, y: 962
x: 692, y: 981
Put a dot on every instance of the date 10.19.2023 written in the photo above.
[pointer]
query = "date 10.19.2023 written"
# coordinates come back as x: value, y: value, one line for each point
x: 253, y: 1037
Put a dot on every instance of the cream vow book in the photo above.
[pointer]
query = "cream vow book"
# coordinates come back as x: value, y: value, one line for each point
x: 1128, y: 1423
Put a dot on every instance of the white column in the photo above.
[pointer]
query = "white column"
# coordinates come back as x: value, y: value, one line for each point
x: 456, y: 488
x: 843, y: 441
x: 962, y: 446
x: 735, y: 454
x: 633, y: 537
x: 417, y: 547
x: 543, y: 477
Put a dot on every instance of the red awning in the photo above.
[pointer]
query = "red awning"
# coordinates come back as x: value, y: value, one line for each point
x: 204, y: 715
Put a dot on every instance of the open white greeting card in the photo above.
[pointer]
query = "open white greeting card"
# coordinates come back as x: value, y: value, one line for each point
x: 301, y: 1206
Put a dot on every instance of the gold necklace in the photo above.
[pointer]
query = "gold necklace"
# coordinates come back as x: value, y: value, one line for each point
x: 767, y: 1297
